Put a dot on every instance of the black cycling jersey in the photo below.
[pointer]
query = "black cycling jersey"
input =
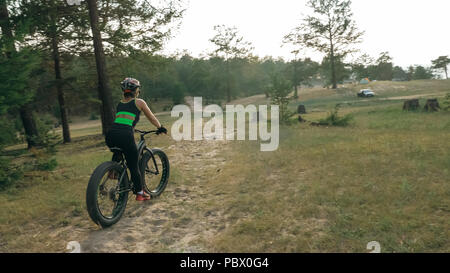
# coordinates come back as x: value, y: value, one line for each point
x: 127, y: 115
x: 121, y: 136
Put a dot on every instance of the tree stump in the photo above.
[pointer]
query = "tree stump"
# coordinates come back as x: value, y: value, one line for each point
x: 432, y: 105
x: 411, y: 105
x: 301, y: 109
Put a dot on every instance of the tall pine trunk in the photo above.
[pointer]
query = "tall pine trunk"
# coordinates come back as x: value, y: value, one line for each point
x: 332, y: 61
x: 295, y: 79
x: 228, y: 81
x: 59, y: 89
x: 26, y: 114
x: 104, y: 93
x: 333, y: 68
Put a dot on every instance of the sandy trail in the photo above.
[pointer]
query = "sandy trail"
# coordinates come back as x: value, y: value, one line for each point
x: 175, y: 222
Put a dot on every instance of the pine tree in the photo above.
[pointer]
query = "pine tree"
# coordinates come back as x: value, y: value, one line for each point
x: 53, y: 25
x: 229, y: 45
x: 441, y: 63
x: 330, y: 30
x: 15, y: 69
x: 123, y: 28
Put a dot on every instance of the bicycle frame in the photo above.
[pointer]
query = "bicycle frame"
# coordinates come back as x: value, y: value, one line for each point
x: 122, y: 176
x: 141, y: 146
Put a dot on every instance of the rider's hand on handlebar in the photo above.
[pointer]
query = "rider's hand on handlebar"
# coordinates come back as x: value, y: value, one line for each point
x: 161, y: 130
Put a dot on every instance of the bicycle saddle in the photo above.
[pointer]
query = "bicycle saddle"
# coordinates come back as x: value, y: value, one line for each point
x: 116, y: 150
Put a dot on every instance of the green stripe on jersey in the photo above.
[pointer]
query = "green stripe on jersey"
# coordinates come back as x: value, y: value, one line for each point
x: 126, y: 113
x: 124, y: 121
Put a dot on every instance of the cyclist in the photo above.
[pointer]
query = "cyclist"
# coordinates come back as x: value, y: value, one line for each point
x: 121, y: 134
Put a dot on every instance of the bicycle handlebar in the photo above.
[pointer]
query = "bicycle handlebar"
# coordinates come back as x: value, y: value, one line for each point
x: 143, y: 133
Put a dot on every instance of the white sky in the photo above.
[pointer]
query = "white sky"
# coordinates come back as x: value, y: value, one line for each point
x: 413, y: 31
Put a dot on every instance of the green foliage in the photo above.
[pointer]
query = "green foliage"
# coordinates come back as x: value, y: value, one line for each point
x: 422, y: 73
x: 330, y: 29
x: 46, y: 164
x: 341, y: 70
x: 176, y: 77
x: 333, y: 118
x: 303, y: 72
x: 46, y: 146
x: 384, y: 69
x: 441, y: 63
x: 9, y: 173
x: 136, y: 26
x: 46, y: 139
x: 93, y: 116
x: 279, y: 90
x: 44, y: 160
x: 7, y: 131
x: 229, y: 44
x: 178, y: 94
x: 399, y: 74
x: 15, y: 89
x: 360, y: 66
x: 446, y: 103
x: 381, y: 69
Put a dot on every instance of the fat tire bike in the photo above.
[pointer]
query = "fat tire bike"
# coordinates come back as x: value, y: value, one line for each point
x: 107, y: 195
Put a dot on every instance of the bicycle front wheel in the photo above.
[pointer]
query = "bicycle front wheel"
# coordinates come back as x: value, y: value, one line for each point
x: 107, y: 194
x: 155, y: 171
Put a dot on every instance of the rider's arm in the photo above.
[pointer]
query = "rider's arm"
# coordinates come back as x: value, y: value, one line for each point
x: 142, y: 105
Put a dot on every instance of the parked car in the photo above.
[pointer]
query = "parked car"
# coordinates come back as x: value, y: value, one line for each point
x: 366, y: 93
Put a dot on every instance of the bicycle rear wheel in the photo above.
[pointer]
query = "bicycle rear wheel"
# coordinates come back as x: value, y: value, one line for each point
x: 155, y: 173
x: 106, y: 198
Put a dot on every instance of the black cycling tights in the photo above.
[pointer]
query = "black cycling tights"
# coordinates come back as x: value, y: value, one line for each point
x: 124, y: 139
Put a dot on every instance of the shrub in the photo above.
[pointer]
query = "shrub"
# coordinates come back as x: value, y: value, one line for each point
x: 446, y: 103
x: 279, y: 90
x: 47, y: 142
x: 46, y: 138
x: 46, y: 164
x: 43, y: 160
x: 333, y: 118
x: 93, y: 116
x: 8, y: 173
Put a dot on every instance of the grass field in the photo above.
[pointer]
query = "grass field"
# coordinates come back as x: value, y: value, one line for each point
x: 384, y: 178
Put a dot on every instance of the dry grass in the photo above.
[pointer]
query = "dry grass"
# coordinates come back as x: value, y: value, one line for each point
x: 385, y: 179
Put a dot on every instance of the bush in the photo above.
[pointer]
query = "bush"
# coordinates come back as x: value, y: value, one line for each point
x: 8, y: 173
x: 93, y: 116
x: 7, y: 131
x: 279, y: 90
x: 46, y: 139
x: 43, y: 160
x: 47, y: 142
x: 333, y: 118
x: 46, y: 164
x: 446, y: 103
